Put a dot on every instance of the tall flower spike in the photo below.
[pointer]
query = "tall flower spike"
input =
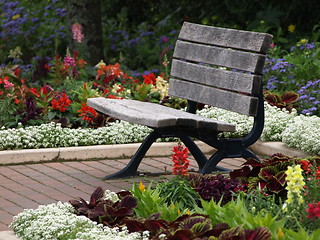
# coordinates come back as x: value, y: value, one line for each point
x: 295, y: 184
x: 77, y: 32
x: 180, y: 160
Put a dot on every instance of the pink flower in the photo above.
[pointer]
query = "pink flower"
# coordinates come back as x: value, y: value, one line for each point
x: 77, y: 32
x: 69, y: 61
x: 8, y: 84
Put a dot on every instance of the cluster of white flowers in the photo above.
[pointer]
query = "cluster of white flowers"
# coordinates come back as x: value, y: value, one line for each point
x: 58, y: 221
x: 243, y: 122
x: 301, y: 132
x: 276, y: 121
x: 53, y: 135
x: 109, y: 195
x: 297, y: 131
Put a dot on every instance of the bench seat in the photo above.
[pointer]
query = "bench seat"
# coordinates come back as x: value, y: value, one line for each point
x: 156, y: 115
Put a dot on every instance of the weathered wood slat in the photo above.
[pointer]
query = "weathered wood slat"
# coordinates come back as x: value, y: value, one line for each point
x: 215, y: 77
x: 215, y: 97
x: 155, y: 115
x: 218, y: 56
x: 245, y: 40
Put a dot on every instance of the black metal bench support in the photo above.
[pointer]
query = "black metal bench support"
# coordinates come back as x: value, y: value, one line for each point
x: 132, y: 167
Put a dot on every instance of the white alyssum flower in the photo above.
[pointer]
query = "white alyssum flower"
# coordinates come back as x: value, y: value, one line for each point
x: 112, y: 196
x: 58, y: 221
x: 300, y: 132
x: 303, y: 133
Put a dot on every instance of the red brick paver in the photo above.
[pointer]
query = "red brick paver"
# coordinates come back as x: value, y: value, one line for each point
x: 30, y: 185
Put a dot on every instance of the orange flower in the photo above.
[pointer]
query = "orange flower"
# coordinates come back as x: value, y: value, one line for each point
x: 109, y: 72
x: 81, y: 63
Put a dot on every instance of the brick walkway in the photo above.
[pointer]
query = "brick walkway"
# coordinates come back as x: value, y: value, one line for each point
x: 29, y: 185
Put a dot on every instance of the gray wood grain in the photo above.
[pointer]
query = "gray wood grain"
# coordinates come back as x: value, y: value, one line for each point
x: 155, y: 115
x: 231, y: 101
x: 215, y: 77
x: 245, y: 40
x: 223, y: 57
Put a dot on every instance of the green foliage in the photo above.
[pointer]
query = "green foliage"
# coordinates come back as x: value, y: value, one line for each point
x: 259, y: 202
x: 178, y: 191
x: 301, y: 234
x: 235, y: 213
x: 150, y: 202
x: 8, y: 108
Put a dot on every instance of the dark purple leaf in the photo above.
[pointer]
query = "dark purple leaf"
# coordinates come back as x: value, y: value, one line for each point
x: 128, y: 201
x: 260, y: 233
x: 134, y: 225
x: 181, y: 235
x: 96, y: 196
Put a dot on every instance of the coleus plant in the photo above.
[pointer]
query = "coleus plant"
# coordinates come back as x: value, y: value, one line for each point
x: 195, y: 226
x: 285, y: 101
x: 268, y: 175
x: 106, y: 211
x: 216, y: 187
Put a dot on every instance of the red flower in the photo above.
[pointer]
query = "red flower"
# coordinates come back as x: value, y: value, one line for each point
x: 318, y: 173
x: 61, y: 103
x: 305, y: 165
x: 87, y: 113
x: 114, y: 96
x: 17, y: 72
x: 35, y: 92
x: 313, y: 210
x: 180, y: 160
x: 46, y: 89
x: 149, y: 79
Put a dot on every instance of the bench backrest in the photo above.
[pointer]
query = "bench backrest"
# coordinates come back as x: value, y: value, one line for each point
x: 219, y: 67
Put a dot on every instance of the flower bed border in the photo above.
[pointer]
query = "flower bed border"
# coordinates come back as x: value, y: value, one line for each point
x: 116, y: 151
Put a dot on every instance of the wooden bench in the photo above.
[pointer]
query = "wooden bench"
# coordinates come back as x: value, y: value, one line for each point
x: 215, y: 66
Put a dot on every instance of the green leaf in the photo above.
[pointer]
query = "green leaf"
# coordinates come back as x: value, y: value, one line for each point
x: 51, y: 115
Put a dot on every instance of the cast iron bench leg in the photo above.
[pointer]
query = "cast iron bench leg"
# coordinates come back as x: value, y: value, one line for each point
x: 221, y: 154
x: 195, y: 151
x: 213, y: 161
x: 131, y: 169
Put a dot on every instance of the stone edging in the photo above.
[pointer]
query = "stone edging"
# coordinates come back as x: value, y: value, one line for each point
x: 123, y: 151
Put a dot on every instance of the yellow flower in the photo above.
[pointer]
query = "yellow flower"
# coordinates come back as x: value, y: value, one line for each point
x: 16, y: 16
x: 303, y: 41
x: 101, y: 63
x: 295, y: 183
x: 291, y: 28
x: 280, y: 234
x: 142, y: 187
x: 188, y: 212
